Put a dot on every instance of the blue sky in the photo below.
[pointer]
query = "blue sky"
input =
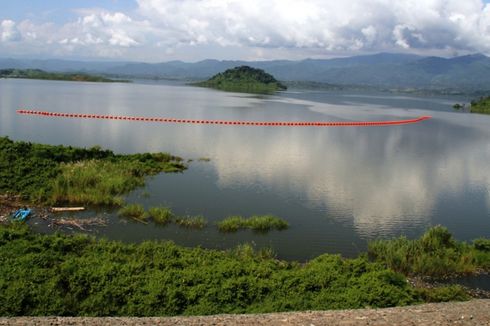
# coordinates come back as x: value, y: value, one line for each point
x: 191, y: 30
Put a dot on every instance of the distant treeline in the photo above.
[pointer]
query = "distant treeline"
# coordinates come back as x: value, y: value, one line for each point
x: 41, y: 74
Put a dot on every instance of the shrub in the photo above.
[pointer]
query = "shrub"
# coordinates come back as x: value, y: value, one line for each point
x: 443, y: 294
x: 46, y: 275
x: 436, y: 253
x: 482, y: 244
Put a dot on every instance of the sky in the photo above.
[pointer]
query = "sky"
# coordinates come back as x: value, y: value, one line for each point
x: 193, y: 30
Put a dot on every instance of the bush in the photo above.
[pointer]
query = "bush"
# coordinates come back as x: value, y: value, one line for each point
x: 62, y: 275
x: 436, y: 253
x: 443, y: 294
x: 482, y: 244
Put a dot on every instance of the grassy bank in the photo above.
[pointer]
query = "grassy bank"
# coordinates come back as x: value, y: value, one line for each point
x: 48, y: 174
x: 78, y: 275
x: 435, y: 254
x: 261, y: 223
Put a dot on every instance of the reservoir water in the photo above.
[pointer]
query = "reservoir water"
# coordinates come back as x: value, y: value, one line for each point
x: 338, y: 187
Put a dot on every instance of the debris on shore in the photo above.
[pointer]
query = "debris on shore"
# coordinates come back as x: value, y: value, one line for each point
x: 80, y: 223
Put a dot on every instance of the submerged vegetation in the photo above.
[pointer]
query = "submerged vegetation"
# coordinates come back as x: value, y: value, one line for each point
x: 435, y: 254
x: 191, y: 222
x: 262, y: 223
x: 135, y: 211
x: 161, y: 215
x: 244, y: 79
x: 41, y: 74
x: 48, y: 174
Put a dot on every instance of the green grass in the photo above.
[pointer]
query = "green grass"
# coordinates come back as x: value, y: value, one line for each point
x: 135, y: 211
x: 48, y: 174
x: 481, y: 106
x: 94, y: 182
x: 63, y: 275
x: 161, y: 215
x: 261, y: 223
x: 232, y: 224
x: 191, y: 222
x: 434, y: 254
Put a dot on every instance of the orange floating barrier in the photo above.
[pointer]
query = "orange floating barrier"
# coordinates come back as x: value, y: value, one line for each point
x: 229, y: 122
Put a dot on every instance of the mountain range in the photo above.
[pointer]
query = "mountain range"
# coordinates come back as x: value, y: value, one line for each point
x: 469, y: 72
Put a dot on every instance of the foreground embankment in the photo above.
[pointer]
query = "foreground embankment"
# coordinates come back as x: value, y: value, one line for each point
x: 475, y: 312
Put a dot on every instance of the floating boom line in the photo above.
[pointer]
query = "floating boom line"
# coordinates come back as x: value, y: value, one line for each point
x: 227, y: 122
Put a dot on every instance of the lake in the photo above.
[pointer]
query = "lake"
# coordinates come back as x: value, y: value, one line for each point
x: 338, y: 187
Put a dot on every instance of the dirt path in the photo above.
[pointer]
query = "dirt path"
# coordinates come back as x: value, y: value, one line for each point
x: 475, y: 312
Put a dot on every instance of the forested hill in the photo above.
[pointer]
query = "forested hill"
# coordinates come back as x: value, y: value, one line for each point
x: 244, y: 79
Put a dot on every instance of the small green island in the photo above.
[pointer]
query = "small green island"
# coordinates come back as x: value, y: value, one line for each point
x: 481, y: 106
x: 244, y: 79
x: 476, y: 106
x: 44, y: 75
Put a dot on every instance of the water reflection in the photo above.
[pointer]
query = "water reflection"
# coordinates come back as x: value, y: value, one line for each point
x: 335, y: 185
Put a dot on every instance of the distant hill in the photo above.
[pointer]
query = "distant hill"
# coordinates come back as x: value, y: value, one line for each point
x: 387, y: 70
x: 244, y: 79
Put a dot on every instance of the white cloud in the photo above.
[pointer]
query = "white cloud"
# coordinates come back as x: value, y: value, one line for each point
x: 8, y: 31
x: 290, y: 28
x: 368, y: 25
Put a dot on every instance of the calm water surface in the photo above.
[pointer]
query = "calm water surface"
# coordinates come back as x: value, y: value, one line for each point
x: 337, y: 187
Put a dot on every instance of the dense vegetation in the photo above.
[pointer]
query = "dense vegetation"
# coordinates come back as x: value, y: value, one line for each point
x: 436, y: 254
x: 481, y: 106
x: 65, y: 174
x: 244, y: 79
x: 41, y: 74
x: 79, y: 275
x: 262, y: 223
